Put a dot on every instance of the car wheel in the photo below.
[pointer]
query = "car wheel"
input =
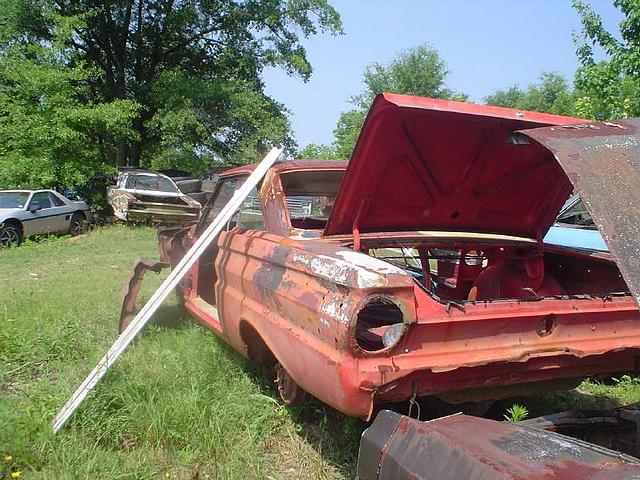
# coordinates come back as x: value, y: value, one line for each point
x: 78, y: 224
x: 290, y: 392
x: 10, y: 236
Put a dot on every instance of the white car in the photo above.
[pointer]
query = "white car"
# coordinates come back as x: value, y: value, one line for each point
x: 25, y: 213
x: 144, y: 196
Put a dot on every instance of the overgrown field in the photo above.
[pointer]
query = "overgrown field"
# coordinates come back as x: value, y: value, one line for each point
x: 179, y: 403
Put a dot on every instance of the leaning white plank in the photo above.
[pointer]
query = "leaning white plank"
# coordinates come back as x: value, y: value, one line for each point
x: 165, y: 289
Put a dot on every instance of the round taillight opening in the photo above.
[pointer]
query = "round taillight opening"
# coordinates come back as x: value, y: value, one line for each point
x: 379, y: 325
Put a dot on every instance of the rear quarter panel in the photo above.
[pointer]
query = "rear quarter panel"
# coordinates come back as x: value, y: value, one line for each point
x: 301, y: 297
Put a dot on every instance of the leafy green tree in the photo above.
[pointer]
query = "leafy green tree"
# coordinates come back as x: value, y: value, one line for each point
x: 347, y: 130
x: 609, y: 88
x: 193, y: 66
x: 51, y: 132
x: 319, y: 152
x: 416, y: 71
x: 552, y: 95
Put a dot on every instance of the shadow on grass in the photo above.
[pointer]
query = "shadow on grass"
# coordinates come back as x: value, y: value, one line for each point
x: 333, y: 435
x: 548, y: 403
x: 172, y: 317
x: 336, y: 437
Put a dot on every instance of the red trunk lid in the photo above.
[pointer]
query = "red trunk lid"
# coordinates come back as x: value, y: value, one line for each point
x: 426, y: 164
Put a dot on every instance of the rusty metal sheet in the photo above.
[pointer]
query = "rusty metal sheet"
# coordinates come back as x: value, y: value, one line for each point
x: 615, y: 428
x: 602, y: 161
x: 132, y: 287
x: 463, y: 447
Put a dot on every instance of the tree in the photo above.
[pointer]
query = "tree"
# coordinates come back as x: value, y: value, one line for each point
x: 416, y: 71
x: 317, y: 152
x: 49, y: 128
x: 610, y: 88
x: 193, y: 66
x: 551, y: 95
x: 347, y: 130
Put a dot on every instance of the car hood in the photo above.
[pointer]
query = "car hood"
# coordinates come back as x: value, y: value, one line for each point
x: 426, y: 164
x: 9, y: 213
x: 602, y: 161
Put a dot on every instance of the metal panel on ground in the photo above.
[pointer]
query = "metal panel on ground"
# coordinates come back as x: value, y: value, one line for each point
x: 462, y: 447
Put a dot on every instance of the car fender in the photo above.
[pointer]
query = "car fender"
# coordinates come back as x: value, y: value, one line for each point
x: 16, y: 221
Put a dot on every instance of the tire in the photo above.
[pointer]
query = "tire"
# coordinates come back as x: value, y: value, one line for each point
x: 290, y: 392
x: 10, y: 236
x: 78, y: 224
x: 189, y: 186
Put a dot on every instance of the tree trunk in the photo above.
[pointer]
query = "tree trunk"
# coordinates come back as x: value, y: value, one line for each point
x: 134, y: 153
x: 121, y: 154
x: 135, y: 146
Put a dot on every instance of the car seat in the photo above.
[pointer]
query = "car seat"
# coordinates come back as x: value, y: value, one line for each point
x: 515, y: 278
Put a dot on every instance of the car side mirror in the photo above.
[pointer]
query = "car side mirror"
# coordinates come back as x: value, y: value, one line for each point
x: 34, y: 209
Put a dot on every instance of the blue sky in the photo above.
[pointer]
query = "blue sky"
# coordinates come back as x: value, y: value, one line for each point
x: 487, y: 45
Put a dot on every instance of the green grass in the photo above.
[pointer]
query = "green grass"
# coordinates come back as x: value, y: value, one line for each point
x: 591, y: 394
x: 178, y: 403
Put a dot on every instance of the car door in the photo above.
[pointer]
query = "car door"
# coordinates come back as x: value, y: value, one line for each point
x: 40, y: 215
x: 207, y: 276
x: 60, y: 214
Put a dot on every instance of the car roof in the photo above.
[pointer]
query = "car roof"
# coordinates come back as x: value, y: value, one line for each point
x: 145, y: 173
x: 288, y: 165
x: 35, y: 191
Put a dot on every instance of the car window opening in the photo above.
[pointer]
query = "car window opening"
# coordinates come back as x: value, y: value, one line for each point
x: 310, y: 195
x: 151, y: 183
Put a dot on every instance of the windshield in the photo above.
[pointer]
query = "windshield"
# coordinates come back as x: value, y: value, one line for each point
x: 13, y: 199
x: 151, y: 182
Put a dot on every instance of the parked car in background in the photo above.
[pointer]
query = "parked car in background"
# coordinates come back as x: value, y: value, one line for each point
x: 574, y: 212
x: 419, y: 268
x: 25, y: 213
x: 151, y: 197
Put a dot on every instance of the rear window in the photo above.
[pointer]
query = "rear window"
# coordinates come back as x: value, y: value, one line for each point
x: 151, y: 182
x: 310, y: 194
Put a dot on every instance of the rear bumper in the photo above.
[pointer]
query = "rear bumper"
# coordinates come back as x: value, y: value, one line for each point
x: 488, y: 351
x: 162, y: 215
x: 504, y: 380
x: 473, y: 357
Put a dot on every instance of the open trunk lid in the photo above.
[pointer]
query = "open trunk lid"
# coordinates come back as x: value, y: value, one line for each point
x: 411, y: 170
x: 602, y: 161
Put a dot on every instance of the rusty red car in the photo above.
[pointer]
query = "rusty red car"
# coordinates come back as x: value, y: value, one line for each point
x: 418, y: 268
